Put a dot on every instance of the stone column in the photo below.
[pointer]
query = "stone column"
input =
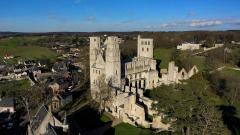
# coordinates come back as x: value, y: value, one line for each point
x: 133, y: 83
x: 142, y: 83
x: 137, y: 84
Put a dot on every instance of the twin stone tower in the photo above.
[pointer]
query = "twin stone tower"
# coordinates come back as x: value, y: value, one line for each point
x: 105, y: 62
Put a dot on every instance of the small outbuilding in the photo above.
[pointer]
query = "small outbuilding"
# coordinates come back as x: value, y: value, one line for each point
x: 7, y: 105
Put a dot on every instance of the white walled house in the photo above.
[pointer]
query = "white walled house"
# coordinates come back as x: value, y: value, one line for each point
x: 7, y: 105
x: 189, y: 46
x: 214, y: 47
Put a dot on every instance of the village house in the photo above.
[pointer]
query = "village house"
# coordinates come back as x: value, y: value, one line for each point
x: 7, y: 105
x: 189, y: 46
x: 59, y: 67
x: 214, y: 47
x: 59, y: 100
x: 45, y: 123
x: 74, y: 50
x: 8, y: 56
x: 29, y: 63
x: 2, y: 66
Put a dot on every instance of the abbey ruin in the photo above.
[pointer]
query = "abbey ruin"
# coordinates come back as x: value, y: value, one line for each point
x: 127, y: 101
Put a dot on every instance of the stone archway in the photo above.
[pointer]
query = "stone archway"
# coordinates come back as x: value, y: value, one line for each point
x: 139, y: 84
x: 130, y: 87
x: 183, y: 74
x: 127, y: 83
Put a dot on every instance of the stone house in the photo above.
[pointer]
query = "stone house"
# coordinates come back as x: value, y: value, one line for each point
x: 59, y: 67
x: 7, y: 105
x: 45, y: 123
x: 189, y: 46
x: 60, y: 100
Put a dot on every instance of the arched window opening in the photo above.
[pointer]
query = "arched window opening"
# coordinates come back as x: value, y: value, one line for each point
x: 194, y: 71
x: 182, y: 74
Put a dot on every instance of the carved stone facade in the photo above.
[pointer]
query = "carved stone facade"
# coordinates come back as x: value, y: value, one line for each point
x: 104, y: 60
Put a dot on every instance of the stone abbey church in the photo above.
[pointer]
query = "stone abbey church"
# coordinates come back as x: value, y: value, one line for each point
x: 128, y: 102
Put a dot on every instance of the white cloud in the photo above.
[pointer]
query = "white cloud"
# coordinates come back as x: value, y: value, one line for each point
x: 205, y: 22
x: 168, y: 25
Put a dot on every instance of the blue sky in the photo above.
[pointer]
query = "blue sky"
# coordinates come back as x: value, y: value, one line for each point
x: 118, y: 15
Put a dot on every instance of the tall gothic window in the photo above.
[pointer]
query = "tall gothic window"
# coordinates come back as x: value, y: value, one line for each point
x: 194, y: 71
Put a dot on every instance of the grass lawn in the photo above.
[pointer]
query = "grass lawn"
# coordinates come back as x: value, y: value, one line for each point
x: 127, y: 129
x: 235, y: 73
x: 24, y: 48
x: 104, y: 118
x: 231, y: 72
x: 12, y: 88
x: 199, y: 61
x: 164, y: 55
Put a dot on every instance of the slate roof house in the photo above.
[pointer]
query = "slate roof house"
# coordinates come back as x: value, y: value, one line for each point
x: 7, y: 105
x: 44, y: 123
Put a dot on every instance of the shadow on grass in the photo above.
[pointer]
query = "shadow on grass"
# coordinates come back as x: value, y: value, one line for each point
x: 87, y: 122
x: 230, y: 119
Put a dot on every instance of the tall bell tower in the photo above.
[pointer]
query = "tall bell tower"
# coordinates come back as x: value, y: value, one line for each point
x: 145, y: 47
x: 113, y: 63
x: 93, y: 53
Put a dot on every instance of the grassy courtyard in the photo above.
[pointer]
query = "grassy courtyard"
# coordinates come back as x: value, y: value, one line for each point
x: 127, y: 129
x: 105, y: 118
x: 199, y: 61
x: 164, y: 55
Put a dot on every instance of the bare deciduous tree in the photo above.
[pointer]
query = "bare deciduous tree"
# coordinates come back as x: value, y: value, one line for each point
x: 104, y: 94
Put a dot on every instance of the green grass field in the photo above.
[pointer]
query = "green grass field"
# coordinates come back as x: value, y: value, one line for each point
x: 164, y: 55
x: 199, y: 61
x: 13, y: 88
x: 105, y: 118
x: 24, y: 48
x: 127, y: 129
x: 231, y: 72
x: 235, y: 73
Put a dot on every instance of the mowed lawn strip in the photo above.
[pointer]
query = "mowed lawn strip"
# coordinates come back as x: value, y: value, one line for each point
x: 163, y: 54
x: 127, y: 129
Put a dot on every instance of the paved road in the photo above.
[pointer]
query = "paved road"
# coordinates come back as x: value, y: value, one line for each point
x: 224, y: 67
x: 207, y: 50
